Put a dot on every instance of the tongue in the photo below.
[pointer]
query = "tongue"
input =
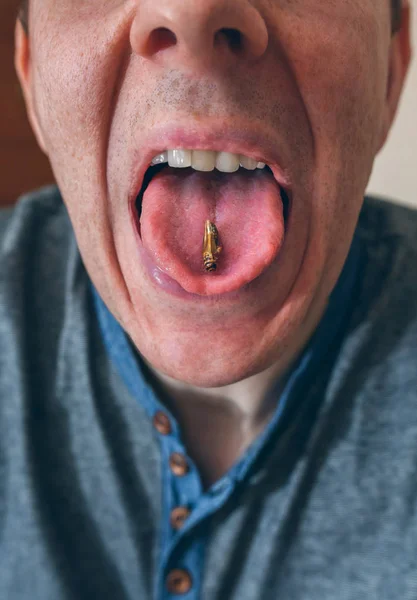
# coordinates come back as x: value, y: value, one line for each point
x: 246, y: 208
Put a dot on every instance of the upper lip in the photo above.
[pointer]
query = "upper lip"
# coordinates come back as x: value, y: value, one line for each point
x: 246, y: 140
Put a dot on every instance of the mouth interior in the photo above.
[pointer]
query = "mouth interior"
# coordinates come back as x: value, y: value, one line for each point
x: 154, y: 170
x: 150, y: 173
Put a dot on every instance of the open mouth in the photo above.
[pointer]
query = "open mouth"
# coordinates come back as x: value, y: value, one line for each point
x: 153, y: 170
x: 247, y: 207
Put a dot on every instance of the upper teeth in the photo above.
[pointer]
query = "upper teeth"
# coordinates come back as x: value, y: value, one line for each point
x: 207, y: 160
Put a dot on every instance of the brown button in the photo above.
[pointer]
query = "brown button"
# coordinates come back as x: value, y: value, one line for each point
x: 179, y: 581
x: 179, y: 516
x: 178, y: 464
x: 162, y: 423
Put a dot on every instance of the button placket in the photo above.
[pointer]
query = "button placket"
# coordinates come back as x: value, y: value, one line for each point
x: 180, y: 571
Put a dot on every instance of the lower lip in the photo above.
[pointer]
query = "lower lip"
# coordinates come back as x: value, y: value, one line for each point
x: 162, y: 281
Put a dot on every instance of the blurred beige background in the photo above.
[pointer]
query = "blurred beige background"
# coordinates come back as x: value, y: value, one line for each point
x: 23, y: 167
x: 395, y: 169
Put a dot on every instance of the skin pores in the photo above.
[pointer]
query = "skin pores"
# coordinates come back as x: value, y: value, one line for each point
x: 319, y: 92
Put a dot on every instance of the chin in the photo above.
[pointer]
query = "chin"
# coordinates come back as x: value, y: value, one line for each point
x: 218, y: 378
x: 207, y: 369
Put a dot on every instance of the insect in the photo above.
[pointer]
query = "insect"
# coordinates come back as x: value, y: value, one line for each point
x: 211, y: 248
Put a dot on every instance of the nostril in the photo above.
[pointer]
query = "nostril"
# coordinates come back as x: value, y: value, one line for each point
x: 199, y: 33
x: 160, y: 39
x: 233, y: 38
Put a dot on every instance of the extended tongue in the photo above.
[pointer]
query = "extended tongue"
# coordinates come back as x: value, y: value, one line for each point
x: 246, y: 208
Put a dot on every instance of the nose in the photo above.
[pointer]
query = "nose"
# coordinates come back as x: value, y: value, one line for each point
x: 192, y: 33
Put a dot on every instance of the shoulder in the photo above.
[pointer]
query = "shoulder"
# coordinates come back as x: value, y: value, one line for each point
x: 36, y: 237
x: 39, y: 260
x: 37, y: 218
x: 382, y: 219
x: 383, y: 333
x: 388, y: 233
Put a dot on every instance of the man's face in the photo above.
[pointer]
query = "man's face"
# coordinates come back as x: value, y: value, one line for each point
x: 306, y: 92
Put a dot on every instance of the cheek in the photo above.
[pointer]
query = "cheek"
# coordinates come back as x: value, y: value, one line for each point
x: 343, y: 82
x: 341, y: 68
x: 74, y: 80
x: 337, y: 52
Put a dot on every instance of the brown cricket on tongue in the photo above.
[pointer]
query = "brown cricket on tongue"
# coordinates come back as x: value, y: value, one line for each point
x: 246, y: 207
x: 211, y: 247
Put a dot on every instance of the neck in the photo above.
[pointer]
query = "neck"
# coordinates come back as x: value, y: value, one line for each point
x: 245, y: 398
x: 218, y: 424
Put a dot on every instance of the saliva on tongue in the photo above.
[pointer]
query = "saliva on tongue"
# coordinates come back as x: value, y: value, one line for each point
x: 246, y: 208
